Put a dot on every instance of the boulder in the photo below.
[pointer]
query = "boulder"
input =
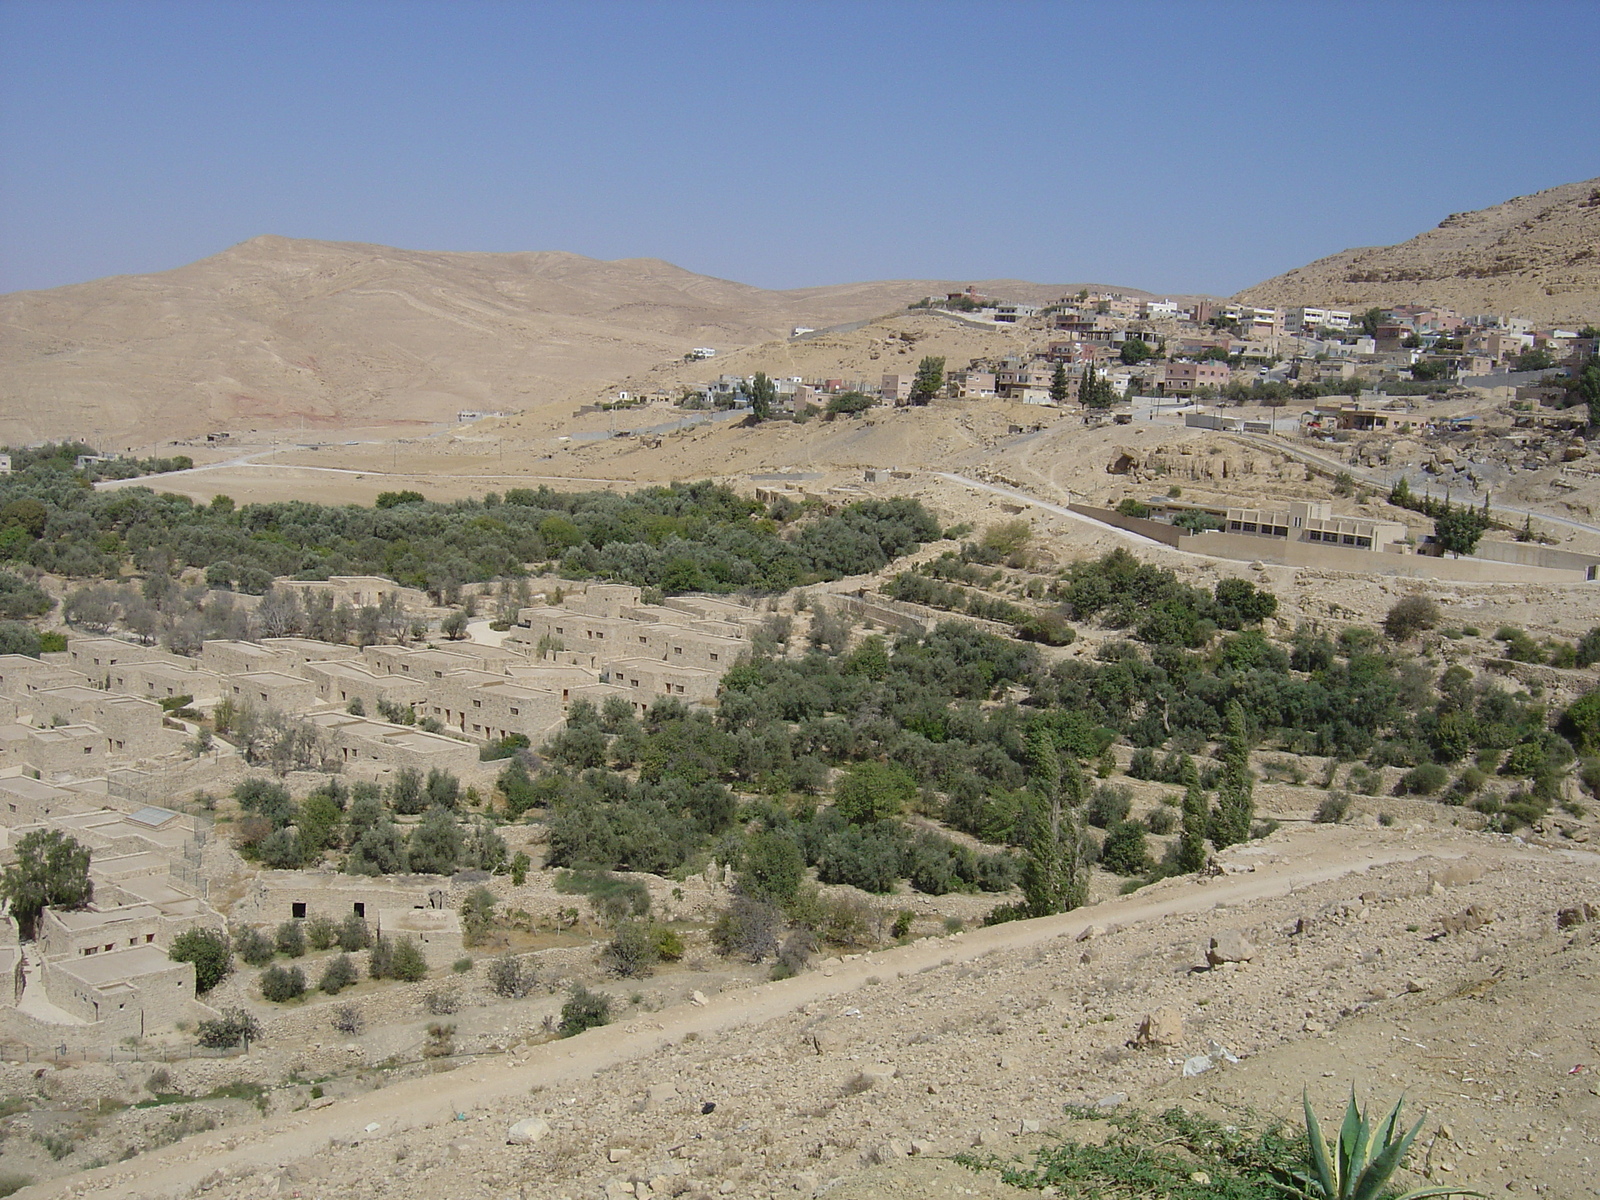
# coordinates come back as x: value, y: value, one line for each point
x: 874, y: 1078
x: 1230, y: 946
x: 528, y: 1131
x: 1578, y: 914
x: 1475, y: 916
x: 658, y: 1094
x: 1164, y: 1027
x: 1457, y: 874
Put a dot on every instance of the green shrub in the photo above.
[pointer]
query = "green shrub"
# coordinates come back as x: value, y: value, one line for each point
x: 1161, y: 819
x: 354, y: 934
x: 772, y: 868
x: 253, y: 946
x: 1409, y: 616
x: 746, y: 929
x: 290, y: 940
x: 510, y: 977
x: 280, y: 984
x: 583, y: 1010
x: 339, y: 974
x: 1333, y: 809
x: 1109, y: 805
x: 872, y: 791
x: 380, y: 959
x: 231, y: 1027
x: 209, y: 950
x: 1125, y: 852
x: 632, y: 952
x: 668, y: 944
x: 407, y: 963
x: 321, y: 933
x: 1424, y: 780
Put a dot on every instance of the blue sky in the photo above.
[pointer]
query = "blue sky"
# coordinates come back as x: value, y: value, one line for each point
x: 1169, y: 146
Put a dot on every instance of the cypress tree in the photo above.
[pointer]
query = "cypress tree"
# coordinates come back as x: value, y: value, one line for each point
x: 1236, y: 807
x: 1053, y: 875
x: 1196, y: 818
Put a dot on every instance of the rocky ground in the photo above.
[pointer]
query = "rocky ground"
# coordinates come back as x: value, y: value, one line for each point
x: 1420, y: 961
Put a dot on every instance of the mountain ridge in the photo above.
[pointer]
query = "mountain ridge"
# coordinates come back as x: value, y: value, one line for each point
x: 1535, y: 256
x: 279, y: 331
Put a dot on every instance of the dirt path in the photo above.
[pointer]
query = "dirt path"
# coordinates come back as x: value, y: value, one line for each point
x: 1303, y: 858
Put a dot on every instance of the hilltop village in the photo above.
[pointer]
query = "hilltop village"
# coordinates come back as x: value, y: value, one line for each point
x: 1193, y: 350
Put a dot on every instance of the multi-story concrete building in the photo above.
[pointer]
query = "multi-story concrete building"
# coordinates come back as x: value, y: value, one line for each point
x: 1015, y: 378
x: 1184, y: 378
x: 965, y: 383
x: 1308, y: 320
x: 896, y: 389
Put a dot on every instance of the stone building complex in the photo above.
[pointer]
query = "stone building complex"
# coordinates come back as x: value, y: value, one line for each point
x: 99, y: 740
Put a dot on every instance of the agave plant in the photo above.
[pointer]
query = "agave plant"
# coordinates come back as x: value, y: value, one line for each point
x: 1363, y: 1161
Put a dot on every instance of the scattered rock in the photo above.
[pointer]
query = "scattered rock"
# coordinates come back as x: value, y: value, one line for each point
x: 528, y: 1131
x: 699, y: 998
x: 1029, y: 1126
x: 921, y: 1147
x: 617, y: 1154
x: 1112, y: 1100
x: 1230, y: 946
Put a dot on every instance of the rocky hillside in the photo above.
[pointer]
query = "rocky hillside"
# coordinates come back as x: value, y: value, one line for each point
x: 1448, y: 967
x: 282, y: 333
x: 1535, y: 256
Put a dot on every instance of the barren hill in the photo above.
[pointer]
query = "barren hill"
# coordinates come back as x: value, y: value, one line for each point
x: 280, y: 332
x: 1534, y: 256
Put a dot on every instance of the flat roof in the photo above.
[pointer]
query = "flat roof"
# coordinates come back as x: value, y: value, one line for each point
x: 32, y: 789
x: 79, y: 919
x: 659, y: 665
x: 346, y: 668
x: 152, y: 816
x: 271, y: 677
x: 168, y: 669
x: 65, y: 733
x: 114, y: 966
x: 126, y: 864
x: 241, y: 647
x: 74, y: 691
